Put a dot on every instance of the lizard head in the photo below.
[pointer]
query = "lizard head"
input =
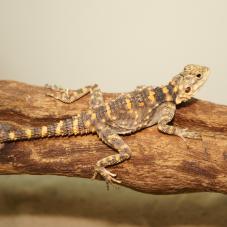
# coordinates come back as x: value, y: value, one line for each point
x: 188, y: 82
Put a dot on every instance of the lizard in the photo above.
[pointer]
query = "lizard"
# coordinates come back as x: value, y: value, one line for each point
x: 126, y: 114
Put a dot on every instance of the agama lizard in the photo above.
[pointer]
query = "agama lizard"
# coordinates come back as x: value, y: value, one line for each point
x: 128, y: 113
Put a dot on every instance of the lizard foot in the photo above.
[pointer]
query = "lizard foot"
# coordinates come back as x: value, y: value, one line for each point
x: 62, y: 94
x: 107, y: 175
x: 184, y: 133
x: 56, y: 92
x: 54, y: 88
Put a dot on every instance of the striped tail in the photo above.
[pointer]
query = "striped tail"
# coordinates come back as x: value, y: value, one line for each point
x: 66, y: 127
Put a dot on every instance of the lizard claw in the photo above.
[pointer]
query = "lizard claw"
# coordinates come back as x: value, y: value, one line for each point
x: 107, y: 175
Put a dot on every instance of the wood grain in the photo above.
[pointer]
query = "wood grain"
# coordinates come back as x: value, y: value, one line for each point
x: 160, y: 163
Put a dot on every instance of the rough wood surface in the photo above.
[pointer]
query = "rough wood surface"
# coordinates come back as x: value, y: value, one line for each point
x: 160, y: 163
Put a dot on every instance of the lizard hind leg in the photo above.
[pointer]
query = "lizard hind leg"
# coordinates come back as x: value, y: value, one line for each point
x: 96, y: 99
x: 112, y: 139
x: 66, y: 95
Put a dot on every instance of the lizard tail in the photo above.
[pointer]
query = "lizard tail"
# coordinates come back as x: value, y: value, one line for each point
x: 64, y: 127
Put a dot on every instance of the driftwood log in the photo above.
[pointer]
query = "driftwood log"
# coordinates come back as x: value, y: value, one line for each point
x: 159, y: 164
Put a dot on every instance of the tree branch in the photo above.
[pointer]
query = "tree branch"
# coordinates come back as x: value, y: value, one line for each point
x: 160, y: 163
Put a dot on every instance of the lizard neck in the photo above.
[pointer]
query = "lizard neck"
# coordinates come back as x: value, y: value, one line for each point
x: 163, y: 94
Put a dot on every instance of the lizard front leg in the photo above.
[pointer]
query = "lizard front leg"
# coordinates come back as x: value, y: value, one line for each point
x: 112, y: 139
x: 166, y: 113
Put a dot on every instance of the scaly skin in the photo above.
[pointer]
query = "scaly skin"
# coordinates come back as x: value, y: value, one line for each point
x: 126, y: 114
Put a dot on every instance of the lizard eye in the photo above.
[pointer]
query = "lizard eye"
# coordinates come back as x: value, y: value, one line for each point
x: 198, y: 75
x: 188, y: 89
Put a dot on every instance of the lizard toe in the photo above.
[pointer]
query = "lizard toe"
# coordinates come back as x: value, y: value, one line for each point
x: 106, y: 175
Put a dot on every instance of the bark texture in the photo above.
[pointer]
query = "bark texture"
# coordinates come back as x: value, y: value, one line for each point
x: 160, y: 163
